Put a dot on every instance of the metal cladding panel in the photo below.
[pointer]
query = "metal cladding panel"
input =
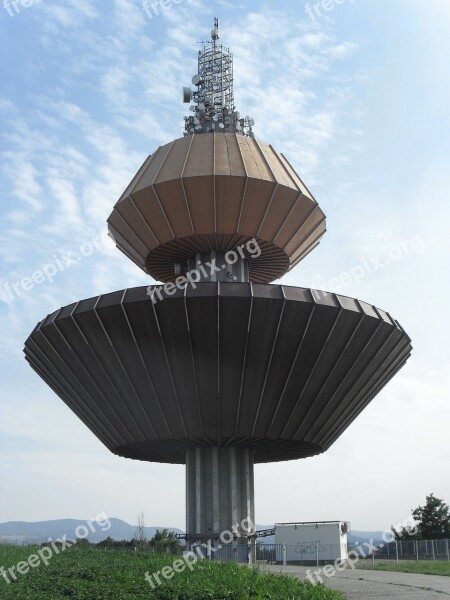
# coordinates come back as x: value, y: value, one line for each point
x: 134, y: 182
x: 200, y: 160
x: 221, y: 154
x: 147, y: 204
x: 200, y: 197
x: 177, y: 213
x: 228, y: 202
x: 281, y: 371
x: 174, y: 161
x: 133, y: 221
x: 234, y: 317
x: 235, y: 159
x: 281, y: 205
x: 149, y: 175
x: 253, y: 213
x: 210, y: 186
x: 295, y: 221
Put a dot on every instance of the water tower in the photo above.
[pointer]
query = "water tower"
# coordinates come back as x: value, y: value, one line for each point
x: 216, y: 368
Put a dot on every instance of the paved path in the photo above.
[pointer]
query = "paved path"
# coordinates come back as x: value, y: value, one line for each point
x: 359, y: 584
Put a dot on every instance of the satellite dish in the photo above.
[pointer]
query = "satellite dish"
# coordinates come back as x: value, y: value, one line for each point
x: 198, y: 128
x: 201, y: 106
x: 215, y: 118
x: 196, y: 121
x: 187, y: 95
x: 221, y: 126
x: 196, y: 80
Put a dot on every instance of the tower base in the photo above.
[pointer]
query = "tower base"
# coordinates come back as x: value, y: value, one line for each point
x: 220, y: 505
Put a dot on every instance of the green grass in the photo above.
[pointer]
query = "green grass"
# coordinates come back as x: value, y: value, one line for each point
x: 93, y: 574
x: 425, y: 566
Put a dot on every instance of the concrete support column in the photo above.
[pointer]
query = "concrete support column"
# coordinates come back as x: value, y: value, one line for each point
x: 219, y: 494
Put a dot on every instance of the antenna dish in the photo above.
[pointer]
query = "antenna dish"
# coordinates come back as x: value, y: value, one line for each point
x: 196, y: 80
x: 187, y: 95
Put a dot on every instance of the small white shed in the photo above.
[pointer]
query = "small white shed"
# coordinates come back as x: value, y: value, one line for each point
x: 312, y: 542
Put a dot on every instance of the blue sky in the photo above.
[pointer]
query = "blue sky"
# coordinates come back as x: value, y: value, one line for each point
x: 358, y: 99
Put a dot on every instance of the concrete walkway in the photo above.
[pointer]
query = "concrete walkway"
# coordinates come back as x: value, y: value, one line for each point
x: 359, y: 584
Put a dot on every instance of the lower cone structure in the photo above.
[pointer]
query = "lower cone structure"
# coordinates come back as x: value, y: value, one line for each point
x: 217, y: 369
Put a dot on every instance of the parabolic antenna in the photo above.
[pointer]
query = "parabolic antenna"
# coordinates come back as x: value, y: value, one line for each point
x: 187, y: 95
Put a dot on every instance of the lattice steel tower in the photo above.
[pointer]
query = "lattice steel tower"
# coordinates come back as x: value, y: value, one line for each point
x: 221, y: 370
x: 213, y: 107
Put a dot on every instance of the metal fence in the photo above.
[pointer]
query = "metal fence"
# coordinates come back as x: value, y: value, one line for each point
x: 309, y: 553
x: 412, y: 550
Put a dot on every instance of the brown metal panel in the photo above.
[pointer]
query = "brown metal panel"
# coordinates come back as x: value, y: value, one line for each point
x: 134, y: 182
x: 275, y: 167
x: 137, y: 224
x: 300, y: 212
x: 280, y: 207
x: 200, y: 196
x: 172, y: 198
x: 303, y: 184
x: 173, y: 165
x: 293, y: 175
x: 312, y: 228
x: 152, y: 169
x: 200, y: 160
x: 248, y: 157
x: 123, y: 232
x: 258, y: 195
x: 221, y: 157
x: 229, y: 193
x: 235, y: 159
x: 150, y: 208
x: 260, y: 160
x: 306, y: 248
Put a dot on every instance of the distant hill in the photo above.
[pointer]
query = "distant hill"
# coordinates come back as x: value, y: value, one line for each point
x: 364, y: 536
x: 38, y: 532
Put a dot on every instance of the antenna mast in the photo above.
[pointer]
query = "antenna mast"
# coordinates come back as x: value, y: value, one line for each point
x: 213, y: 108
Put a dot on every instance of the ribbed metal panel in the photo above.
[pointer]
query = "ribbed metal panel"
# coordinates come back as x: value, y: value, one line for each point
x: 213, y: 192
x: 279, y: 370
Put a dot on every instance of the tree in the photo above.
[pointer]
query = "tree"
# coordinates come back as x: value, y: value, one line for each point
x: 166, y: 541
x: 432, y: 522
x: 433, y: 519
